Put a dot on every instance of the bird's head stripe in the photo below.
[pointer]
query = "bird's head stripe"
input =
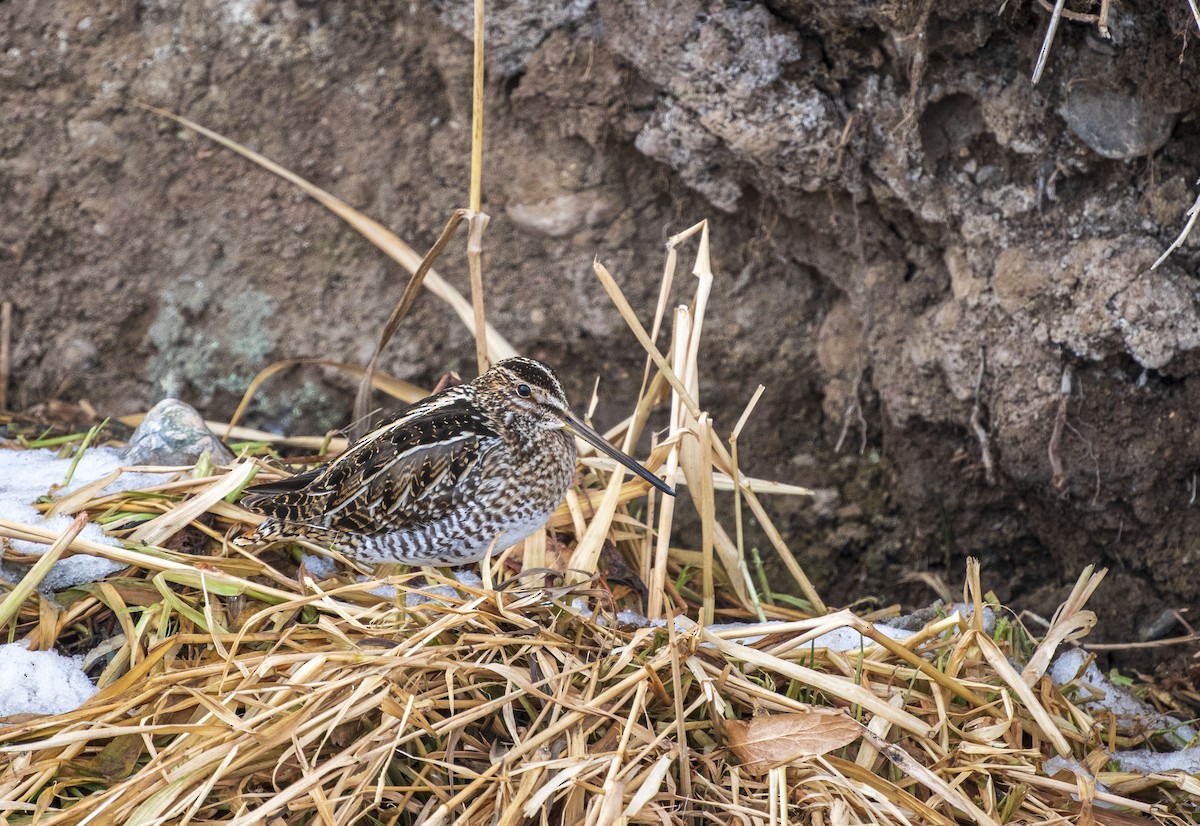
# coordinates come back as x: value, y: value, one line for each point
x: 531, y: 372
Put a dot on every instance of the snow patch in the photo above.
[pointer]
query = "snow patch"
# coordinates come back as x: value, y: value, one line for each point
x: 27, y: 475
x: 40, y: 682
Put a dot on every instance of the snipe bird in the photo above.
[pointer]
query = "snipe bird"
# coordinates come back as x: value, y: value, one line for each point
x: 468, y: 471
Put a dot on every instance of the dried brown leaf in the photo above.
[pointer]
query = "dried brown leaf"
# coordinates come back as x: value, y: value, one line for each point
x: 115, y: 761
x: 778, y: 739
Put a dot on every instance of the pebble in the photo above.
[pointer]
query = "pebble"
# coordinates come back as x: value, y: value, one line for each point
x: 173, y: 433
x: 1115, y: 123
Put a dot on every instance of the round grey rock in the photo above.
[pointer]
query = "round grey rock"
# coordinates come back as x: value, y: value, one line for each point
x: 173, y: 433
x: 1115, y: 123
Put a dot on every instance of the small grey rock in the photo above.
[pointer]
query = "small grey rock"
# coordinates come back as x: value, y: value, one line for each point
x: 556, y: 217
x: 1159, y: 627
x: 561, y: 215
x: 515, y: 28
x: 173, y: 433
x: 1115, y: 123
x: 920, y: 618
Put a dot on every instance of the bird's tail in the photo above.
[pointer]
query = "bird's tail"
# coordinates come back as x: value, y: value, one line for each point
x: 276, y: 530
x: 285, y: 498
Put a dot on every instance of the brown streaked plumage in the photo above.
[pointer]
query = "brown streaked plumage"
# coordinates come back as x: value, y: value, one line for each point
x: 474, y: 468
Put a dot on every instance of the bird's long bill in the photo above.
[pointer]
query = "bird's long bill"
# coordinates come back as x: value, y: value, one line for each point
x: 600, y: 443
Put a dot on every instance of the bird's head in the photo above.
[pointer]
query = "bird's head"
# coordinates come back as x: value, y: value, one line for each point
x: 532, y: 391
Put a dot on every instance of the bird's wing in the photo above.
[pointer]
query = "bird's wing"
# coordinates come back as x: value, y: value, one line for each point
x: 270, y: 496
x: 405, y: 473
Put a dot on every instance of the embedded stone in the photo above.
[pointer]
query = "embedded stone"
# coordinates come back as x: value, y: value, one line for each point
x: 173, y: 433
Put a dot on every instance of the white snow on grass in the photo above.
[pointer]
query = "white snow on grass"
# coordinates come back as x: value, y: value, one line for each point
x: 321, y: 567
x: 1151, y: 762
x: 324, y: 566
x: 1099, y: 692
x: 466, y: 577
x: 1141, y: 761
x: 40, y: 682
x: 27, y: 475
x: 839, y: 639
x: 1093, y: 684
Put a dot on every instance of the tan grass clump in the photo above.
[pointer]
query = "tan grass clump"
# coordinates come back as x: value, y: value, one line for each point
x: 234, y: 703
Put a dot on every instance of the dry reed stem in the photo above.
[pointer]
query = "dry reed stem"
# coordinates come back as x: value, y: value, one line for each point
x: 478, y: 220
x: 5, y: 351
x: 25, y: 588
x: 1070, y: 623
x: 361, y: 417
x: 475, y: 190
x: 1048, y: 40
x: 477, y: 223
x: 1193, y: 213
x: 685, y: 393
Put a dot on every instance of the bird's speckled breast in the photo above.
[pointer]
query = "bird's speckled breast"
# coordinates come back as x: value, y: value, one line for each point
x: 546, y: 468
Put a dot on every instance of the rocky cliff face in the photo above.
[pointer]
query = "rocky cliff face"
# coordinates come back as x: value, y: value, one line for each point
x: 929, y: 260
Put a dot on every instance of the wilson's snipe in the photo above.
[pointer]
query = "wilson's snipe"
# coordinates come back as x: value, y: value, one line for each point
x: 472, y: 469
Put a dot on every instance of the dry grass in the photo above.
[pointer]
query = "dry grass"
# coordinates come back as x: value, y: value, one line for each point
x: 232, y: 700
x: 242, y: 689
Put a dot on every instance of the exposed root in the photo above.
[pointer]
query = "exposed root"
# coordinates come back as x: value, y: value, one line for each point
x: 854, y: 407
x: 1192, y: 214
x: 1051, y: 29
x: 981, y: 434
x: 1058, y: 476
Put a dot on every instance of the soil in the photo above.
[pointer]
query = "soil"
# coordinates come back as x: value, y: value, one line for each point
x: 933, y: 264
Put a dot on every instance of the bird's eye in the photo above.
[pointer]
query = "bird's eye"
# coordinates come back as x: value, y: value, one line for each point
x: 524, y: 391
